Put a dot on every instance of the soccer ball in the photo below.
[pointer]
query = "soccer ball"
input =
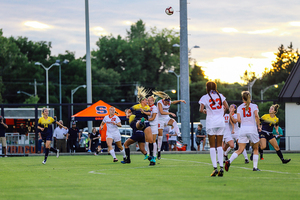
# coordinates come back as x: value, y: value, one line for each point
x: 169, y: 11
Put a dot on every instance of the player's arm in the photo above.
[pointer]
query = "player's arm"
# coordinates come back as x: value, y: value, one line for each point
x: 145, y: 112
x: 257, y: 120
x: 225, y: 104
x: 201, y: 109
x: 238, y: 118
x: 59, y: 124
x: 178, y: 101
x: 101, y: 125
x: 153, y: 117
x: 160, y: 109
x: 40, y: 126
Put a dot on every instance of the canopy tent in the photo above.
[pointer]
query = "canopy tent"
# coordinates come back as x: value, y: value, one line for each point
x: 97, y: 111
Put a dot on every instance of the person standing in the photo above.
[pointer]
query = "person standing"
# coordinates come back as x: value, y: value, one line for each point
x: 59, y: 135
x: 200, y: 136
x: 165, y: 144
x: 172, y: 139
x: 94, y: 141
x: 73, y: 137
x: 103, y: 145
x: 3, y: 127
x: 277, y: 136
x: 212, y: 104
x: 45, y: 126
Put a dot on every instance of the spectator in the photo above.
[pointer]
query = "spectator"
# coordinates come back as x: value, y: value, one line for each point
x: 277, y: 136
x: 22, y: 130
x: 3, y: 126
x: 200, y: 136
x: 165, y: 145
x: 94, y: 141
x: 60, y: 137
x: 73, y: 137
x: 172, y: 138
x: 103, y: 146
x: 40, y: 143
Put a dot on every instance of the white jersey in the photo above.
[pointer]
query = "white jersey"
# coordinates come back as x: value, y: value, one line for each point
x: 111, y: 128
x: 165, y: 109
x: 247, y: 116
x: 227, y: 124
x: 236, y: 125
x: 153, y: 109
x: 214, y: 112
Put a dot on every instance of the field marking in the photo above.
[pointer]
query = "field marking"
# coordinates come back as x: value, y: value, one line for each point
x: 278, y: 172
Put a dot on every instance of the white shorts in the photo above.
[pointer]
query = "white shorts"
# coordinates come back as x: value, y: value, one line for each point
x: 154, y: 129
x: 162, y: 122
x: 227, y: 137
x: 235, y: 136
x: 215, y: 131
x: 115, y: 137
x: 248, y: 133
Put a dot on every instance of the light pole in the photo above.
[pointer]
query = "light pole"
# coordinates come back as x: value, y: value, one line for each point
x: 178, y: 76
x: 172, y: 90
x: 19, y: 92
x: 250, y: 85
x: 189, y: 51
x: 47, y: 84
x: 72, y: 92
x: 263, y: 91
x: 60, y: 101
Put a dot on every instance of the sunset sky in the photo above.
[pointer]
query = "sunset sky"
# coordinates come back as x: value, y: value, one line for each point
x: 232, y: 35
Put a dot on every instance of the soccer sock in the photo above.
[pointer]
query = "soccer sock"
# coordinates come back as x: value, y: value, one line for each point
x: 147, y: 146
x: 255, y: 161
x: 220, y: 155
x: 123, y: 152
x: 127, y: 151
x: 176, y: 128
x: 159, y: 142
x: 261, y: 152
x: 54, y: 150
x: 46, y: 153
x: 245, y: 154
x: 151, y: 149
x: 279, y: 154
x: 154, y: 149
x: 227, y: 151
x: 213, y: 156
x: 112, y: 153
x: 233, y: 156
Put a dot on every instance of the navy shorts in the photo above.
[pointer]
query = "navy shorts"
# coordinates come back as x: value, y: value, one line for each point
x: 138, y: 136
x: 267, y: 136
x: 46, y: 136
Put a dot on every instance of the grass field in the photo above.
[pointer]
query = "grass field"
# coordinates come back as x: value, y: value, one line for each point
x: 176, y: 176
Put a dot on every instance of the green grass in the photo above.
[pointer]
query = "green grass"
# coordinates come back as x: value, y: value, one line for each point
x: 176, y: 176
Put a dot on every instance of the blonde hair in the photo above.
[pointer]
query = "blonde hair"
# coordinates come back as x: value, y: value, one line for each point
x: 161, y: 95
x: 276, y: 107
x: 153, y: 97
x: 246, y: 97
x: 141, y: 93
x: 43, y: 111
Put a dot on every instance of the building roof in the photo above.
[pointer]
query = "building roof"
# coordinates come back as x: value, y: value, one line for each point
x: 291, y: 89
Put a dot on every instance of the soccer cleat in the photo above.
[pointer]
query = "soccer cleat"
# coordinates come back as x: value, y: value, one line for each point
x: 227, y: 165
x: 284, y: 161
x: 221, y: 172
x: 89, y: 151
x: 158, y: 155
x: 95, y: 154
x: 225, y: 157
x: 146, y: 157
x: 153, y: 160
x: 214, y: 173
x: 152, y: 164
x: 57, y: 153
x: 44, y: 162
x: 262, y: 159
x: 256, y: 169
x: 246, y: 161
x: 125, y: 161
x: 115, y: 160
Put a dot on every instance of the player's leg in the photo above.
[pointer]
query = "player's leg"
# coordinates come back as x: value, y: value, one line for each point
x: 109, y: 142
x: 273, y: 142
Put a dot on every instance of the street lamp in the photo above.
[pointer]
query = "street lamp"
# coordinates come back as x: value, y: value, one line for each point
x: 189, y: 51
x: 250, y: 85
x: 263, y: 91
x: 47, y: 84
x: 178, y: 76
x: 19, y: 92
x: 172, y: 90
x: 60, y: 101
x: 72, y: 92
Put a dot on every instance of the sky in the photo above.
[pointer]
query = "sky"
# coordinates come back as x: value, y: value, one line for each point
x: 233, y: 35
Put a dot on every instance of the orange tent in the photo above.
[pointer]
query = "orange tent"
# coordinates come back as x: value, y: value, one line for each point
x: 97, y: 111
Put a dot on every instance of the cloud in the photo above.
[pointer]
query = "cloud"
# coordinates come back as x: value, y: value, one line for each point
x: 230, y: 30
x: 263, y: 31
x: 37, y: 25
x: 294, y: 23
x: 98, y: 31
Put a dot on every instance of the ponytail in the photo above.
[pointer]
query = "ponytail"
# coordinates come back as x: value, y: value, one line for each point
x: 212, y: 86
x: 246, y: 97
x: 276, y: 107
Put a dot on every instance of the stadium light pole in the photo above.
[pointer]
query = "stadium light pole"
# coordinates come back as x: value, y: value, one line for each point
x: 190, y: 50
x: 264, y: 90
x: 178, y: 108
x: 72, y: 93
x: 250, y: 85
x: 47, y: 79
x: 19, y: 92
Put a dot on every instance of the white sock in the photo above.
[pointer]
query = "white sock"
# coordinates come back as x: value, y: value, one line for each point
x: 245, y: 154
x: 176, y: 128
x: 220, y: 156
x: 233, y: 156
x: 213, y: 156
x: 227, y: 151
x: 255, y: 161
x: 123, y: 152
x: 154, y: 149
x: 159, y: 142
x: 147, y: 146
x: 112, y: 153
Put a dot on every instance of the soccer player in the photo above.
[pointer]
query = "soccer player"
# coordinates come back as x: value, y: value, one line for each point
x: 112, y: 122
x: 213, y: 102
x: 268, y: 122
x: 164, y: 118
x: 228, y: 143
x: 247, y: 115
x: 45, y: 125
